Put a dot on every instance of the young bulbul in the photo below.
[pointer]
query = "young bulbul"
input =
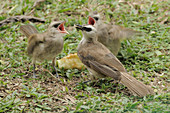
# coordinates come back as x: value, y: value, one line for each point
x: 46, y: 45
x: 111, y: 35
x: 102, y: 63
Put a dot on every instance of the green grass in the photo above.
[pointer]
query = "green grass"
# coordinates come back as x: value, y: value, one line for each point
x: 146, y: 58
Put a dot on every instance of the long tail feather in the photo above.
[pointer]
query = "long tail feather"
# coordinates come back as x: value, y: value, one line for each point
x: 28, y: 30
x: 135, y: 86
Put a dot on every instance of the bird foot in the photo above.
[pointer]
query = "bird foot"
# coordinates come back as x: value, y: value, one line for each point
x: 34, y: 75
x: 57, y: 75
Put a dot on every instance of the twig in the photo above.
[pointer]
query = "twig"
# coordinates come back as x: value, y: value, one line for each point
x: 21, y: 18
x: 49, y: 72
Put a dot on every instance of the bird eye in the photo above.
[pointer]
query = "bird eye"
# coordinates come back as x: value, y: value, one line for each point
x: 56, y: 25
x: 87, y: 29
x: 96, y: 18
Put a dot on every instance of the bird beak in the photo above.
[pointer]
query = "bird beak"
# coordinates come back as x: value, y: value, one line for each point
x: 91, y: 21
x: 61, y: 28
x: 79, y: 27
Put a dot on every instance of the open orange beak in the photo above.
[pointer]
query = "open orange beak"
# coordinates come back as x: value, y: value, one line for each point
x: 61, y: 28
x: 91, y: 21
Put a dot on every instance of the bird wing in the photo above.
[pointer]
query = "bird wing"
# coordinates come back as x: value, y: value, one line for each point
x: 105, y: 70
x: 120, y: 32
x: 102, y: 61
x: 33, y: 41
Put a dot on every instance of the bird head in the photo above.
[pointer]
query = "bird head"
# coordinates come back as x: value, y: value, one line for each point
x: 88, y: 31
x: 94, y: 19
x: 57, y: 27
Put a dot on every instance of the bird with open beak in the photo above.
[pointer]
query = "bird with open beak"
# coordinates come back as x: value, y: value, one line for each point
x: 111, y: 35
x: 46, y: 45
x: 102, y: 63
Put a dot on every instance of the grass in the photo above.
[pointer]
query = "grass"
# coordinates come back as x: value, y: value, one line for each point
x: 146, y: 58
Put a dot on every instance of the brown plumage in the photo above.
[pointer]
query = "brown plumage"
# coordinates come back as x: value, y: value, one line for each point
x: 102, y: 63
x: 28, y: 30
x: 111, y: 35
x: 46, y: 45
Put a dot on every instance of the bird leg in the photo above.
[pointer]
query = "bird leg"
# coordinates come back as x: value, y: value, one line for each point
x: 34, y: 75
x: 53, y: 64
x: 117, y: 84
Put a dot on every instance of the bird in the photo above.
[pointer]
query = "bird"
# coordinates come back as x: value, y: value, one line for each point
x: 46, y: 45
x: 111, y: 35
x: 102, y: 63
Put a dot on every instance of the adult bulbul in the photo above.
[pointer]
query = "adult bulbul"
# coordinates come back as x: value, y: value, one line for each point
x: 101, y: 63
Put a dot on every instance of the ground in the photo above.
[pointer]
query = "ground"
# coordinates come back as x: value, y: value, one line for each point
x: 146, y: 58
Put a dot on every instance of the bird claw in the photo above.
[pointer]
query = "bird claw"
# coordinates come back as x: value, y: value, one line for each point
x: 57, y: 75
x: 34, y: 75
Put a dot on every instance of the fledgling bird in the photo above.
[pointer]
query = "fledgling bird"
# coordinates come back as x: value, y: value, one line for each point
x: 46, y: 45
x: 102, y: 63
x: 111, y: 35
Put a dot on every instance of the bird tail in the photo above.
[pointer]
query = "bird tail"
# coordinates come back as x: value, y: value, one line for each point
x: 28, y: 30
x: 135, y: 86
x: 122, y: 33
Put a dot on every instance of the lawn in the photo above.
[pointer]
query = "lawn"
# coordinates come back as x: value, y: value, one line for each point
x: 146, y: 58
